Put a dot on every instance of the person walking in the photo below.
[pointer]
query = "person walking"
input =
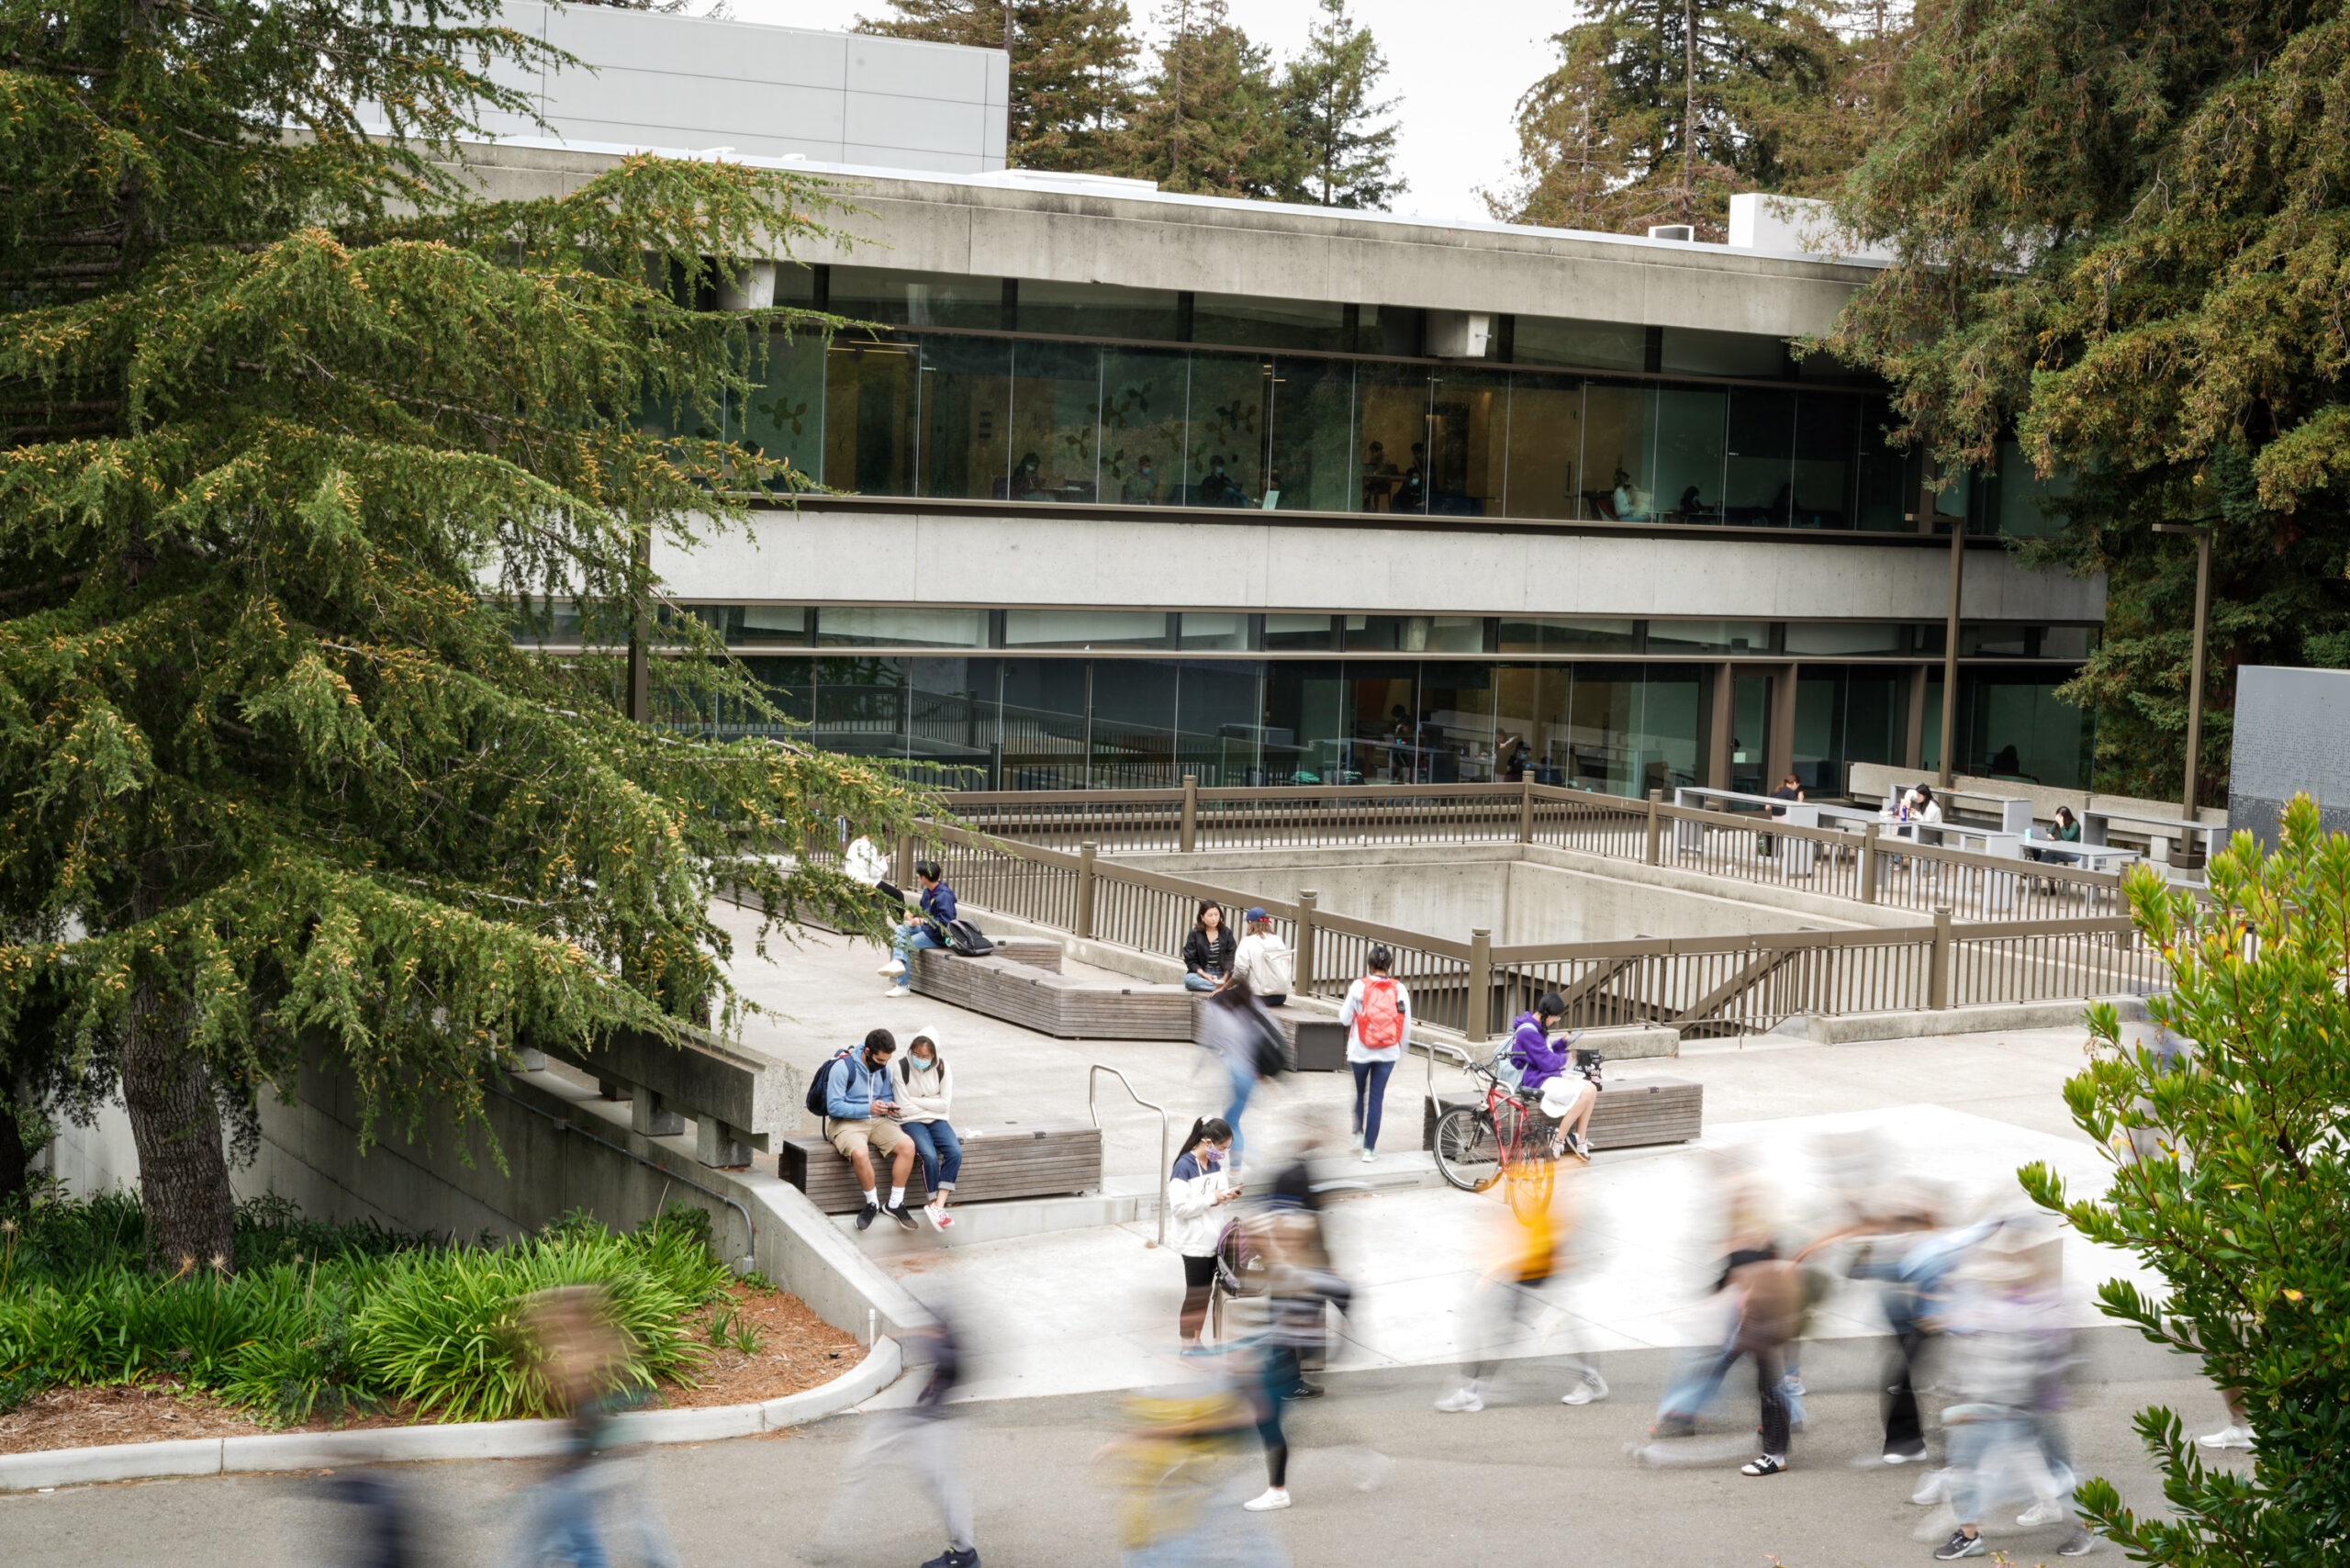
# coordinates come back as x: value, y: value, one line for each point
x: 1546, y: 1069
x: 1246, y: 1042
x: 927, y: 929
x: 1264, y: 960
x: 1301, y: 1286
x: 1514, y: 1296
x: 1202, y: 1182
x: 1208, y: 951
x: 925, y: 1096
x: 1378, y: 1018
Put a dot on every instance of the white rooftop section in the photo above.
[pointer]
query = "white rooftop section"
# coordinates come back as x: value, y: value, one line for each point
x: 1795, y: 226
x: 651, y: 81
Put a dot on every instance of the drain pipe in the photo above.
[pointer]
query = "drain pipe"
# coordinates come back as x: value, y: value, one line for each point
x: 566, y: 1124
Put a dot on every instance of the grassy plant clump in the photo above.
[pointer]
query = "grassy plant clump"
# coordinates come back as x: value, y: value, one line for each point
x: 325, y: 1320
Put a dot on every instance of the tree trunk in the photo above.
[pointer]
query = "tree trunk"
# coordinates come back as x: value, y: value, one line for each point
x: 16, y: 1165
x: 183, y: 1169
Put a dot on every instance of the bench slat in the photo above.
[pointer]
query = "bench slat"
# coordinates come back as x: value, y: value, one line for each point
x: 1000, y: 1160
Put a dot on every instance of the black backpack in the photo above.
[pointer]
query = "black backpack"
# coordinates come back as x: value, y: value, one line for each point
x: 968, y: 939
x: 820, y: 1103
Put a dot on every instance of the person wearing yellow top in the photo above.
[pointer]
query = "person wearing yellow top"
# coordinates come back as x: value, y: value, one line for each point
x: 1515, y: 1292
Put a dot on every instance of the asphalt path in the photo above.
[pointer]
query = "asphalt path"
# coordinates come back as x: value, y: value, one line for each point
x: 1380, y: 1479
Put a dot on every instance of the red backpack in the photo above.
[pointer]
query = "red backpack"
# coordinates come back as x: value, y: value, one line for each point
x: 1380, y: 1023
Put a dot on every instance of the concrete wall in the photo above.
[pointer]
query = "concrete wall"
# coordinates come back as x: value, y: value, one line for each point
x: 685, y: 83
x: 1257, y: 562
x: 2292, y: 736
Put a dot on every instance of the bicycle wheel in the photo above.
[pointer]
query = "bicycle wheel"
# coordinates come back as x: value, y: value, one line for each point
x: 1529, y: 1186
x: 1466, y: 1153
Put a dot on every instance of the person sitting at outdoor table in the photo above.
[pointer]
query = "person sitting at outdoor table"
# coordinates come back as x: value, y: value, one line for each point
x: 1208, y: 950
x: 1790, y: 789
x: 2067, y: 830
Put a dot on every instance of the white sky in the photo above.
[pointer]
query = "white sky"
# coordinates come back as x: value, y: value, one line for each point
x: 1457, y: 75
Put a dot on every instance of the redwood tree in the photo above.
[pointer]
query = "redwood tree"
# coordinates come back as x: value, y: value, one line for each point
x: 300, y: 441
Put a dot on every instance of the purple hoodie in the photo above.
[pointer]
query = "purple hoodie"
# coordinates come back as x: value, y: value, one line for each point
x: 1532, y: 1050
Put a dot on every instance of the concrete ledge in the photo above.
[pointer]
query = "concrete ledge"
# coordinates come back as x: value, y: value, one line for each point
x: 1631, y: 1043
x: 1852, y: 1027
x: 465, y: 1440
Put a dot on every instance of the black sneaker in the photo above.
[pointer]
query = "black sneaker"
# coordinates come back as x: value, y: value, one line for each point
x: 1960, y: 1545
x: 967, y: 1558
x: 1307, y: 1391
x: 2080, y: 1543
x: 898, y: 1211
x: 1766, y: 1465
x: 865, y: 1217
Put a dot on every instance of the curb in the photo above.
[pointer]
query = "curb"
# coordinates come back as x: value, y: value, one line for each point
x: 468, y: 1440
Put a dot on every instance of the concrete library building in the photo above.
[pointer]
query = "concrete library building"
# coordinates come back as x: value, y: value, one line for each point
x: 1134, y: 486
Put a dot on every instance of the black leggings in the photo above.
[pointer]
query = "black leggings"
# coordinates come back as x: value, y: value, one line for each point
x: 1199, y: 1274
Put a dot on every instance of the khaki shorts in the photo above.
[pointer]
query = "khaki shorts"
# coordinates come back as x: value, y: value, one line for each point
x: 882, y: 1134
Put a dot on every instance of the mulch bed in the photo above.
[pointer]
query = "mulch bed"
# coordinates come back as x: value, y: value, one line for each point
x: 798, y: 1350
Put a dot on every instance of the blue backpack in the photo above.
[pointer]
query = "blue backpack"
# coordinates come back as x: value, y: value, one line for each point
x: 820, y: 1087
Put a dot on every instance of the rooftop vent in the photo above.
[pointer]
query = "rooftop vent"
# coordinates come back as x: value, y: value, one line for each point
x: 1671, y: 231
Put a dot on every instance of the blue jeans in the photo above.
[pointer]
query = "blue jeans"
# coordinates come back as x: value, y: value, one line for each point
x: 1244, y: 1084
x: 941, y: 1151
x: 1370, y: 1094
x: 562, y: 1515
x: 907, y: 942
x: 1194, y: 980
x: 1972, y: 1446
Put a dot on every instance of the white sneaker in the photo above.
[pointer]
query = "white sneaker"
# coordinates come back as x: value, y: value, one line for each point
x: 1594, y: 1387
x: 2227, y: 1437
x: 1466, y: 1400
x: 895, y: 966
x: 1932, y: 1487
x: 2046, y: 1512
x: 898, y: 991
x: 1272, y: 1497
x: 1354, y: 1144
x: 1370, y: 1154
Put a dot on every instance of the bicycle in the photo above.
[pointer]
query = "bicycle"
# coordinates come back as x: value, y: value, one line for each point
x: 1476, y: 1145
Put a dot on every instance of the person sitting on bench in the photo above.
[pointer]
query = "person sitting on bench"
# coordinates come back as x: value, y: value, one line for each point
x: 927, y: 929
x: 1546, y: 1070
x: 861, y: 1120
x: 925, y: 1096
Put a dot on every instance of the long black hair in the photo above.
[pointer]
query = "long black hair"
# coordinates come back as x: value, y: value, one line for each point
x: 1214, y: 1129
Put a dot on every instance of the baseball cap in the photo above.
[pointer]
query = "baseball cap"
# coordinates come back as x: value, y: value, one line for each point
x: 1257, y: 914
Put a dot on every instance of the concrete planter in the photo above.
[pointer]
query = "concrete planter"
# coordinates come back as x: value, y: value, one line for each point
x: 470, y: 1439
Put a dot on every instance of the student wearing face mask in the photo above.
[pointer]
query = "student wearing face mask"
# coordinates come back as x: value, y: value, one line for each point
x: 1202, y: 1181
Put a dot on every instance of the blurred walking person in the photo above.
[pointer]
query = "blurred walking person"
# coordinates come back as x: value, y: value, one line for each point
x: 582, y: 1356
x: 1301, y: 1287
x: 1178, y: 1469
x: 1202, y: 1181
x: 1515, y: 1294
x: 1248, y: 1045
x: 1378, y: 1018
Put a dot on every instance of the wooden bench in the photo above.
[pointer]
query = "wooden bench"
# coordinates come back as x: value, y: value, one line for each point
x: 1032, y: 1158
x: 1324, y: 1038
x: 1630, y: 1115
x: 1054, y: 1004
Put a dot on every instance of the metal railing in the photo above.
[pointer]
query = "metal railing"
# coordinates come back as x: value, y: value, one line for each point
x: 1092, y: 1078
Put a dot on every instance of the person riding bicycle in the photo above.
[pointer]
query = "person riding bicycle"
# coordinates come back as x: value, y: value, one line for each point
x: 1546, y: 1069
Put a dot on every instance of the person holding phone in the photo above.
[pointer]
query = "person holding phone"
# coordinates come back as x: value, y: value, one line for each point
x: 1205, y: 1180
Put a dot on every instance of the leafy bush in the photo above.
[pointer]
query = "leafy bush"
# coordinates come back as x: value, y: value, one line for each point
x: 366, y: 1315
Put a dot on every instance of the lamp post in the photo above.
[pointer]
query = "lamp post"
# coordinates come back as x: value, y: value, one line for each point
x: 1926, y: 517
x: 2202, y: 532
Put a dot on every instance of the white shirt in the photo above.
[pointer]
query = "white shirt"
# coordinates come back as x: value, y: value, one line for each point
x: 863, y: 862
x: 1263, y: 960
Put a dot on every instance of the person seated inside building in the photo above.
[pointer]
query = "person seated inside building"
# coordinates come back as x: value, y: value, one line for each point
x: 1412, y: 489
x: 1028, y: 480
x: 1140, y: 488
x: 1632, y: 504
x: 1218, y: 490
x: 1378, y: 477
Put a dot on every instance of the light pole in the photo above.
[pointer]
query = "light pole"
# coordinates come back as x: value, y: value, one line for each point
x: 2202, y: 532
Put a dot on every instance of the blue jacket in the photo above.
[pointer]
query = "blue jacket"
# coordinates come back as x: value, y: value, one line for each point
x: 849, y: 1094
x: 1538, y: 1058
x: 938, y: 904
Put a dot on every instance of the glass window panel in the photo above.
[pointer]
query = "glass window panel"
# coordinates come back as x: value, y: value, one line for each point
x: 1084, y: 628
x: 1133, y: 725
x: 891, y: 626
x: 1882, y: 483
x: 1997, y: 641
x: 1393, y: 423
x: 1580, y: 345
x: 953, y: 722
x: 2023, y: 495
x: 1387, y: 736
x: 783, y: 416
x: 788, y: 684
x: 2067, y: 642
x: 1827, y: 433
x: 1308, y: 734
x: 1687, y: 468
x: 1299, y: 633
x: 1555, y: 634
x: 1846, y: 637
x: 1219, y: 722
x: 1417, y: 633
x: 1225, y: 452
x: 1097, y: 309
x: 1759, y: 483
x: 1143, y: 397
x: 1709, y: 636
x: 1697, y: 352
x: 1532, y: 708
x: 1820, y: 719
x: 1749, y: 733
x: 2012, y: 725
x: 869, y: 417
x: 1270, y: 323
x: 1545, y: 456
x: 1056, y: 413
x: 1673, y: 709
x: 1618, y: 422
x: 1873, y: 715
x: 1216, y: 630
x: 1043, y: 724
x: 861, y: 705
x: 771, y: 626
x: 917, y: 299
x: 1457, y: 735
x: 1313, y: 437
x: 1603, y: 724
x: 967, y: 420
x: 1468, y: 441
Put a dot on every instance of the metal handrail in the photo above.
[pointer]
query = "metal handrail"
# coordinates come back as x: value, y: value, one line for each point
x: 1166, y: 1130
x: 1429, y: 1050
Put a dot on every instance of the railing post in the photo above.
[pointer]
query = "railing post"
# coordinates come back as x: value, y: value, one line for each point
x: 1190, y: 839
x: 1477, y: 1018
x: 1085, y: 853
x: 1305, y: 906
x: 1656, y: 824
x: 1526, y: 811
x: 905, y: 866
x: 1868, y: 863
x: 1938, y: 975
